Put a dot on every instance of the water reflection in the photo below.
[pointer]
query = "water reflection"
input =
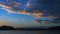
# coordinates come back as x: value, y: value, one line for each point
x: 31, y: 32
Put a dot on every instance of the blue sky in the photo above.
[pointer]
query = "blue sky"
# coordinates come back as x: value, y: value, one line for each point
x: 29, y: 13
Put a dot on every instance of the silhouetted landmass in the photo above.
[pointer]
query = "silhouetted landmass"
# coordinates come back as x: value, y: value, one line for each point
x: 12, y: 28
x: 30, y: 29
x: 6, y: 28
x: 54, y: 28
x: 50, y: 28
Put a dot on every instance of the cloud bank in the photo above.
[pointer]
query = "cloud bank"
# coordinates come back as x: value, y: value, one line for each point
x: 37, y: 8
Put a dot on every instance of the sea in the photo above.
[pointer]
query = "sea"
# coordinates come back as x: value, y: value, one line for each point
x: 30, y: 32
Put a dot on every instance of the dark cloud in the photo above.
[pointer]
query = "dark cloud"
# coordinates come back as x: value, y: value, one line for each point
x: 44, y: 21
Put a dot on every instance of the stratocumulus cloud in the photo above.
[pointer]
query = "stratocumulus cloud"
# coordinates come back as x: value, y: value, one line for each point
x: 33, y: 8
x: 37, y: 13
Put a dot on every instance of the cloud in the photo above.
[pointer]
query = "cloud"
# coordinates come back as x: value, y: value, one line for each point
x: 10, y: 8
x: 17, y: 4
x: 24, y: 12
x: 5, y: 6
x: 28, y: 5
x: 10, y: 5
x: 36, y: 13
x: 37, y: 10
x: 37, y: 21
x: 51, y: 16
x: 44, y: 21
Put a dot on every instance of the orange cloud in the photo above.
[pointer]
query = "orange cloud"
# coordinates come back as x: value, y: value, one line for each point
x: 24, y: 12
x: 10, y: 8
x: 5, y: 6
x: 38, y: 14
x: 16, y: 4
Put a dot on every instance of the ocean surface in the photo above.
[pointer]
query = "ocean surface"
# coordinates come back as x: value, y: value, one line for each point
x: 30, y: 32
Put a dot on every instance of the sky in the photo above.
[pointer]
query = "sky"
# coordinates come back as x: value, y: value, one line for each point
x: 30, y: 13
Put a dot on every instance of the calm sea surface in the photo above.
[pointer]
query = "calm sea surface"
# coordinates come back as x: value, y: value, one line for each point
x: 31, y: 32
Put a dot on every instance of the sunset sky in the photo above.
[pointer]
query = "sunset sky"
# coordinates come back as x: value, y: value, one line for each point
x: 30, y: 13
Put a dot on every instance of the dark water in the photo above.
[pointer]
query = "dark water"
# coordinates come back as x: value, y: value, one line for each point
x: 31, y: 32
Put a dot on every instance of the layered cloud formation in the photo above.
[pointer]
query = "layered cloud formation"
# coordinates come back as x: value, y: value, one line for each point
x: 38, y: 8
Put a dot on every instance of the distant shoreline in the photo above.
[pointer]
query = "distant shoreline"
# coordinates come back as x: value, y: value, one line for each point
x: 12, y: 28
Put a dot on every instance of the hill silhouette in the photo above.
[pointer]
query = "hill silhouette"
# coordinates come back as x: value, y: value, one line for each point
x: 6, y: 28
x: 12, y: 28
